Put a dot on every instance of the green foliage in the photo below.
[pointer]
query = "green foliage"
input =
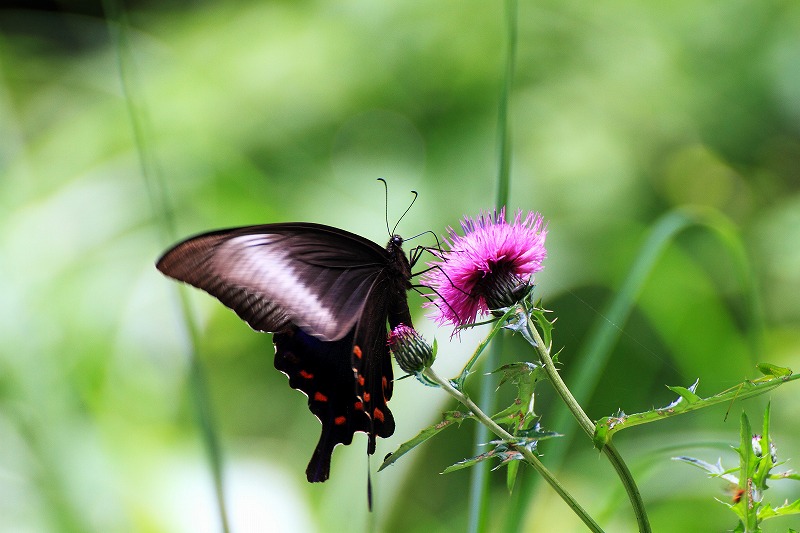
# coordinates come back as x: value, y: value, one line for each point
x: 498, y: 323
x: 449, y: 419
x: 519, y: 415
x: 688, y: 401
x: 507, y: 451
x: 519, y: 419
x: 757, y: 460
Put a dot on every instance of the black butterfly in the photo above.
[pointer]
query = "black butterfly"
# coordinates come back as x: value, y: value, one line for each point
x: 326, y: 293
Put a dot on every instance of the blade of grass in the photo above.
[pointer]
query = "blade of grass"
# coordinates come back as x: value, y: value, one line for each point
x: 159, y: 200
x: 479, y: 484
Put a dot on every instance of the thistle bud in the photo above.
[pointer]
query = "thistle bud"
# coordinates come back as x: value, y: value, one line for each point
x: 410, y: 349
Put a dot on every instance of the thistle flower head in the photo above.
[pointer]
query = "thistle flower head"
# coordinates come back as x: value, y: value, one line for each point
x: 487, y: 268
x: 411, y: 351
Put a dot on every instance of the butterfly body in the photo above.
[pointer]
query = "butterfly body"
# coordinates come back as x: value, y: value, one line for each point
x: 327, y: 295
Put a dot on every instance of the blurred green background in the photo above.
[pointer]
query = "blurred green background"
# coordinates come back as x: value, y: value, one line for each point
x: 252, y: 112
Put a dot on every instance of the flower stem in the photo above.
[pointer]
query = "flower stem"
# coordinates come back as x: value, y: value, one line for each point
x: 529, y: 456
x: 531, y: 334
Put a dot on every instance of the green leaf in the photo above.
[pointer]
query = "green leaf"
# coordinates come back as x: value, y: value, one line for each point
x: 746, y: 508
x: 767, y: 511
x: 449, y: 418
x: 466, y: 463
x: 511, y: 475
x: 524, y: 374
x: 786, y: 475
x: 520, y: 413
x: 545, y: 326
x: 764, y: 457
x: 685, y: 394
x: 713, y: 470
x: 688, y: 401
x: 537, y: 433
x: 502, y: 451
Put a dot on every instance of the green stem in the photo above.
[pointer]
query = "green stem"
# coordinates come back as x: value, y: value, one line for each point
x: 531, y: 334
x: 479, y: 487
x: 503, y: 130
x: 479, y: 479
x: 529, y: 456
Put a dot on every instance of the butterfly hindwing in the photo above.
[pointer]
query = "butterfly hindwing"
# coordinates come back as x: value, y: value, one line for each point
x: 348, y: 382
x: 323, y: 372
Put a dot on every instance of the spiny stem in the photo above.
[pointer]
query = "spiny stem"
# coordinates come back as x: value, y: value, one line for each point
x: 531, y: 334
x: 529, y: 456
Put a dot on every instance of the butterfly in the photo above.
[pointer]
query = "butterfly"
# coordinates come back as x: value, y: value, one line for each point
x: 327, y: 295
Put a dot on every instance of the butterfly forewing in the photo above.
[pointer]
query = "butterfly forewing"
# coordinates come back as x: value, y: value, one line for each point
x: 309, y: 275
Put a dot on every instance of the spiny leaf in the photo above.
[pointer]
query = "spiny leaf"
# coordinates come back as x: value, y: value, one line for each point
x: 520, y: 414
x: 449, y: 418
x: 501, y: 451
x: 545, y: 326
x: 521, y: 373
x: 535, y: 433
x: 511, y: 475
x: 465, y: 463
x: 713, y: 470
x: 786, y: 475
x: 516, y: 322
x: 685, y: 394
x: 746, y: 507
x: 767, y: 511
x: 687, y: 402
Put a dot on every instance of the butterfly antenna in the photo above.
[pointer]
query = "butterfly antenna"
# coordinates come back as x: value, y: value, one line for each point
x: 438, y: 246
x: 386, y: 204
x: 415, y: 193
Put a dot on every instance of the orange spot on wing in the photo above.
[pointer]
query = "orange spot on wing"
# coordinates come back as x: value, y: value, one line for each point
x: 385, y: 383
x: 366, y: 397
x: 359, y: 406
x: 318, y: 396
x: 361, y: 380
x: 357, y: 351
x: 377, y: 414
x: 306, y: 375
x: 339, y: 420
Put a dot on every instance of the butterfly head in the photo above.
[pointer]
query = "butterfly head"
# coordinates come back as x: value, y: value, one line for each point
x: 395, y: 247
x: 397, y: 258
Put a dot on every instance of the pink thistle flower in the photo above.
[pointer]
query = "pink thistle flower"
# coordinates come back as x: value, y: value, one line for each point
x: 489, y: 267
